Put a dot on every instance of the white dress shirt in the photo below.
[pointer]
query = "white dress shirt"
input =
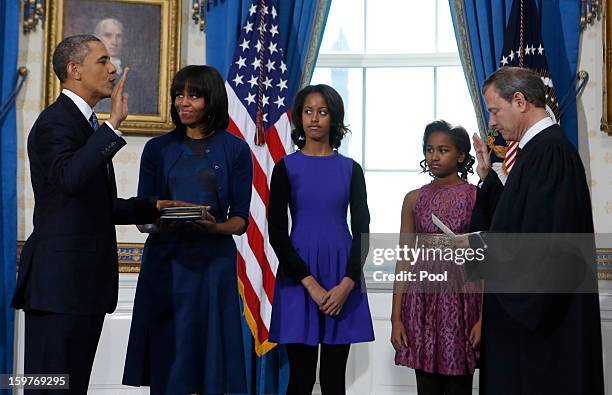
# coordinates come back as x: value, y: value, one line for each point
x: 534, y: 130
x: 529, y: 134
x: 85, y: 109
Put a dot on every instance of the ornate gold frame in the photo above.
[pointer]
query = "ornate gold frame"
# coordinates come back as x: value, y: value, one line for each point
x: 606, y: 116
x: 170, y: 32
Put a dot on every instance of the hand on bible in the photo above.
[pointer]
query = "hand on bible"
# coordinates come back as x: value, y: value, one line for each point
x: 482, y: 156
x: 209, y: 223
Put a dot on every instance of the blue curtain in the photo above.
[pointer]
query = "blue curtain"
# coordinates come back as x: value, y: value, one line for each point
x: 223, y: 23
x: 479, y: 29
x: 301, y: 28
x: 9, y: 38
x: 560, y: 23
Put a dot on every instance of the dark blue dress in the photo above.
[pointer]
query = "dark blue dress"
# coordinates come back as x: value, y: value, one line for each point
x: 186, y: 328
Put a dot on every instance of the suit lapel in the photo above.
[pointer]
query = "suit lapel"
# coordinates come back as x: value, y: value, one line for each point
x: 77, y: 115
x: 85, y: 127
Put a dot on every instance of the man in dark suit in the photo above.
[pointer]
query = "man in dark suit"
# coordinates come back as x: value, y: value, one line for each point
x: 68, y: 275
x: 541, y: 329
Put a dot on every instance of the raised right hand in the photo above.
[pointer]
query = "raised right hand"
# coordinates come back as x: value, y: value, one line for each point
x: 482, y: 156
x: 119, y: 101
x: 399, y: 338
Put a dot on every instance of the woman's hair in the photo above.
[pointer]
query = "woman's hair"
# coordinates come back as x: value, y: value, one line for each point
x: 206, y: 82
x: 460, y: 138
x: 335, y: 105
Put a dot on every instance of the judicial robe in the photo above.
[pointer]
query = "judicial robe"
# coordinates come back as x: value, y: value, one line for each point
x: 547, y: 341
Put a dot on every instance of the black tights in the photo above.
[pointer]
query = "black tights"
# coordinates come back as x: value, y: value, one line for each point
x: 441, y: 384
x: 303, y: 368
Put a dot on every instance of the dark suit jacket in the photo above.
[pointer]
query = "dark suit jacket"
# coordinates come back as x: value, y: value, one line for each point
x: 69, y: 263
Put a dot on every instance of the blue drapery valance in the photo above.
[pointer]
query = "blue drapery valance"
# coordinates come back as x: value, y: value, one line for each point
x: 479, y: 29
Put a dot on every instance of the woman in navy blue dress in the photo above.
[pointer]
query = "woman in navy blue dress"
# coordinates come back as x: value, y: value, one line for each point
x: 186, y: 328
x: 319, y: 301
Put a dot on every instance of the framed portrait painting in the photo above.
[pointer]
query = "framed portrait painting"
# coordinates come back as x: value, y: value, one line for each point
x: 143, y: 35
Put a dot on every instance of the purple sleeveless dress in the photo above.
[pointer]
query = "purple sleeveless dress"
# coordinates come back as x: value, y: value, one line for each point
x: 438, y: 324
x: 320, y: 191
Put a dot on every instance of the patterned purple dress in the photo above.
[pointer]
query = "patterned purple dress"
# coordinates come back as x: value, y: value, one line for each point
x: 438, y: 324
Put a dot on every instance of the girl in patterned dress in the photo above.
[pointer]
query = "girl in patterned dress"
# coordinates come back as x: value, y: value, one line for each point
x: 436, y: 328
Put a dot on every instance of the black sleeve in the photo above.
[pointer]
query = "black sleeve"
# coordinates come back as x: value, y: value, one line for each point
x: 135, y: 210
x: 278, y: 224
x: 360, y: 224
x: 487, y: 197
x: 71, y: 164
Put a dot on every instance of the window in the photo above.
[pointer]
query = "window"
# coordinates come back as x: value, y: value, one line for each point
x: 396, y: 65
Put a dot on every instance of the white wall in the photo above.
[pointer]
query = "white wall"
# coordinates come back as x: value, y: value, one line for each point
x: 597, y: 152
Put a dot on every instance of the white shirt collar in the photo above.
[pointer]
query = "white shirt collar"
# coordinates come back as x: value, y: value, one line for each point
x: 534, y: 130
x: 80, y: 103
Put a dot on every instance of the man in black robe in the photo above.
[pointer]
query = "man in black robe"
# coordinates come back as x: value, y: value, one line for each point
x: 541, y: 322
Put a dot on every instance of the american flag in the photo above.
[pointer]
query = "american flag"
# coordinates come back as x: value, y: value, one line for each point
x: 524, y: 47
x: 257, y: 88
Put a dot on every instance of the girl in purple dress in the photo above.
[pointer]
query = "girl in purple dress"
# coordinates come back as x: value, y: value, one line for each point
x: 318, y: 299
x: 436, y: 330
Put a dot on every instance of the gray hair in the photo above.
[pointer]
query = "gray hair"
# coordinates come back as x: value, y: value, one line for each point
x: 102, y: 22
x: 72, y: 49
x: 509, y: 80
